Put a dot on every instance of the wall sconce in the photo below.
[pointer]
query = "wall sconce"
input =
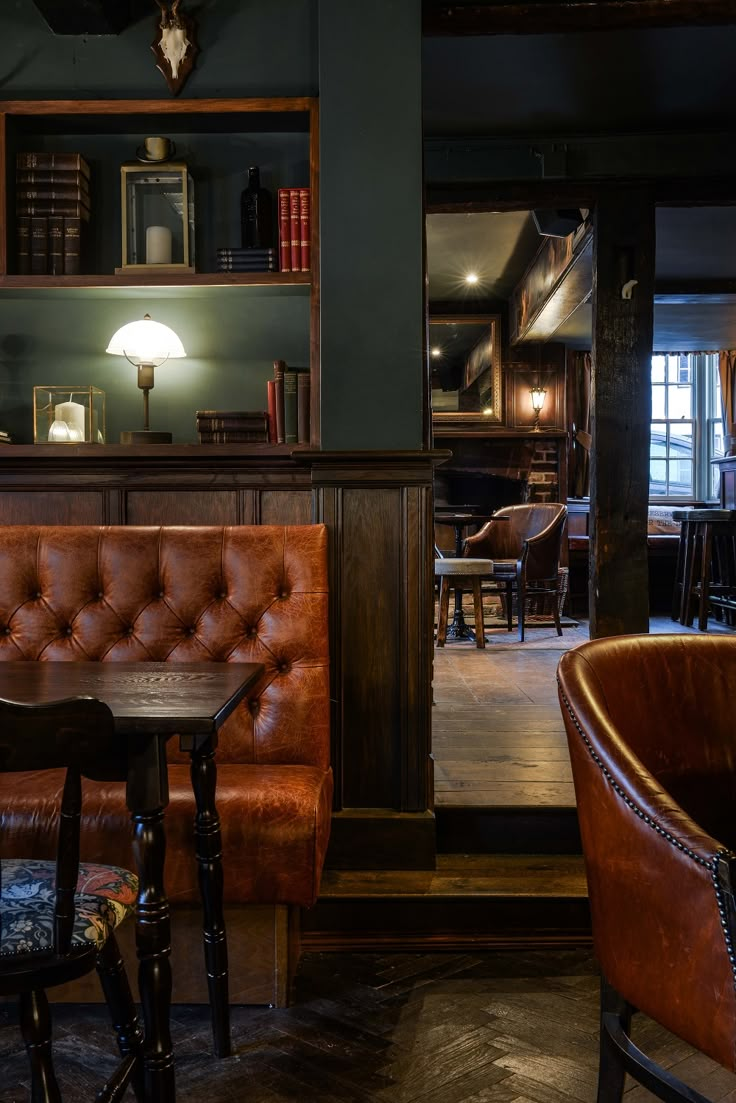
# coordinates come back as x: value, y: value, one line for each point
x: 147, y: 345
x: 538, y: 395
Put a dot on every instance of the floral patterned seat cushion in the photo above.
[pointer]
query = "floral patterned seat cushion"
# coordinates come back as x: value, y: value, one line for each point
x: 104, y: 896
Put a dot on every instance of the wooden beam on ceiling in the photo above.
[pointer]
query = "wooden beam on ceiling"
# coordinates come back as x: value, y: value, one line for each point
x: 558, y: 16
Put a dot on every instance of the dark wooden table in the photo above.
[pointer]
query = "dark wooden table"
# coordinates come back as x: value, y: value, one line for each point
x: 150, y: 703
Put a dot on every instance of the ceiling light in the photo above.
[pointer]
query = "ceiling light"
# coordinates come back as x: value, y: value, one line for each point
x: 436, y: 352
x: 471, y: 277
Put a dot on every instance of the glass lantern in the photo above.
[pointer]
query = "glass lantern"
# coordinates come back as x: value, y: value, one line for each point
x: 158, y: 218
x: 68, y: 415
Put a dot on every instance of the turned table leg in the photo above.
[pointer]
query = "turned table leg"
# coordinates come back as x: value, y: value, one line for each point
x: 209, y: 864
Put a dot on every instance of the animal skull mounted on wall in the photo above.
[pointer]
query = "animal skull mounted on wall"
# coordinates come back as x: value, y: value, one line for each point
x: 175, y: 45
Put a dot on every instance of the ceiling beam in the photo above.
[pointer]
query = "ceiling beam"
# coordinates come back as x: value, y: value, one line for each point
x: 558, y: 16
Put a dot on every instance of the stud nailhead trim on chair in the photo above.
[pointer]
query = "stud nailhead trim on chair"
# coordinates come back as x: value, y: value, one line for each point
x: 711, y: 865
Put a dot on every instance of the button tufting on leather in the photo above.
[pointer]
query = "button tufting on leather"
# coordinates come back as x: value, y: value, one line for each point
x: 252, y: 633
x: 7, y: 630
x: 255, y: 706
x: 222, y: 595
x: 160, y: 593
x: 129, y: 630
x: 284, y: 594
x: 191, y: 631
x: 284, y: 668
x: 68, y: 630
x: 100, y: 595
x: 37, y: 595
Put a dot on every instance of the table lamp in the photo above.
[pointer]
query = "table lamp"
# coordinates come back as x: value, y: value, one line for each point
x: 147, y: 345
x: 538, y: 395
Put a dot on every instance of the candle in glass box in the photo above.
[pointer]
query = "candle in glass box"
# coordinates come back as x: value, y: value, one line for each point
x: 158, y: 245
x: 72, y: 413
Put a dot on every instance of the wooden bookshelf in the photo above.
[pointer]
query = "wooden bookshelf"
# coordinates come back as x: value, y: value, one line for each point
x: 214, y: 134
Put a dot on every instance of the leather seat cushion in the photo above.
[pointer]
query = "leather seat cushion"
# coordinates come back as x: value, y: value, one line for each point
x: 275, y: 823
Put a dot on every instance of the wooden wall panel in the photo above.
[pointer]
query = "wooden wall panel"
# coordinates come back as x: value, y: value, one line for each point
x: 182, y: 507
x: 52, y: 507
x: 371, y: 608
x: 279, y: 507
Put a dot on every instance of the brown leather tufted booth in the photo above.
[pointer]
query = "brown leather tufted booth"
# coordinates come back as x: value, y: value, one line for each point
x: 175, y: 594
x: 649, y: 723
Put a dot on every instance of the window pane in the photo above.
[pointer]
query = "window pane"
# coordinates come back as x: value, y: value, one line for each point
x: 658, y: 439
x: 681, y: 478
x: 673, y: 369
x: 658, y: 409
x: 658, y: 369
x: 680, y: 401
x: 657, y: 478
x: 681, y: 440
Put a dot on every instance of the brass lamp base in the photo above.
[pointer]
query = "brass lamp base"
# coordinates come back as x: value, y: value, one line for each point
x: 144, y: 436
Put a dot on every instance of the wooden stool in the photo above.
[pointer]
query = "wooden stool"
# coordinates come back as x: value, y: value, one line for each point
x: 460, y: 574
x: 706, y: 564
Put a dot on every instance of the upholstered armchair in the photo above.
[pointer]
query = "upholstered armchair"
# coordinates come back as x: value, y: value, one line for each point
x: 524, y: 544
x: 649, y: 723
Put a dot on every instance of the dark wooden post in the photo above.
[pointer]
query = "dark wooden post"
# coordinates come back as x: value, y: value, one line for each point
x: 623, y: 316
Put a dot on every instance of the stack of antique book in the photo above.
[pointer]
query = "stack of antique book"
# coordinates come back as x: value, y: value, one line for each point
x: 232, y: 426
x: 52, y: 205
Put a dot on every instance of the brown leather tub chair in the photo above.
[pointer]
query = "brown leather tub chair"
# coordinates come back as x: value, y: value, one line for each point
x: 524, y: 544
x: 650, y: 727
x: 248, y: 593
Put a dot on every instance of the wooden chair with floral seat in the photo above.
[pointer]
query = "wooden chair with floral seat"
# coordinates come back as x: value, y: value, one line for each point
x: 58, y: 916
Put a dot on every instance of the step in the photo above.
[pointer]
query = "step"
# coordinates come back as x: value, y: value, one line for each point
x: 484, y: 900
x: 537, y: 829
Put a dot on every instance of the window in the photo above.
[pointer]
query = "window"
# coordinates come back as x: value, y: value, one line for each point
x: 687, y: 426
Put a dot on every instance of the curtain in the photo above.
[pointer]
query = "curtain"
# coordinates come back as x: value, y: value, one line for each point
x: 727, y: 371
x: 580, y: 452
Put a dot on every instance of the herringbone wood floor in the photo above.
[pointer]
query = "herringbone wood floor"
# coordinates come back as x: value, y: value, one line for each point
x: 497, y: 1027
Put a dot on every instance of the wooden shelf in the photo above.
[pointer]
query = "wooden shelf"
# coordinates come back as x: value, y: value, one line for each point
x: 199, y: 279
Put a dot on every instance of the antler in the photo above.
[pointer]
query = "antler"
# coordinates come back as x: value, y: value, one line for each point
x: 175, y: 8
x: 164, y: 11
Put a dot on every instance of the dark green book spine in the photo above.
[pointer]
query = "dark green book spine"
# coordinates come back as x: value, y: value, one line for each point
x: 291, y: 414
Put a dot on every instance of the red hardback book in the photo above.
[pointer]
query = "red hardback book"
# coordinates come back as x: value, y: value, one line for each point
x: 305, y: 229
x: 294, y: 230
x: 279, y: 367
x: 284, y: 230
x: 271, y: 391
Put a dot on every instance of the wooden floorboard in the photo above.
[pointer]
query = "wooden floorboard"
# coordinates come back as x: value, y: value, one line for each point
x: 498, y: 738
x: 474, y: 1027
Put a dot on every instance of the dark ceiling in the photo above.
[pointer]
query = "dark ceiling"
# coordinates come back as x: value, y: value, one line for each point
x: 596, y: 82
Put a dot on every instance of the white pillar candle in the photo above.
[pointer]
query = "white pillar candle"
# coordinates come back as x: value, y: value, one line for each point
x: 73, y: 414
x: 158, y: 245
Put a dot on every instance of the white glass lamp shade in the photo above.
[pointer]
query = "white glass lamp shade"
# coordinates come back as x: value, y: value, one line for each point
x: 146, y: 342
x: 538, y: 396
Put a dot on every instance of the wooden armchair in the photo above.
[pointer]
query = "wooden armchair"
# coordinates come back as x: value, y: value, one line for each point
x: 649, y: 724
x: 57, y: 918
x: 524, y: 544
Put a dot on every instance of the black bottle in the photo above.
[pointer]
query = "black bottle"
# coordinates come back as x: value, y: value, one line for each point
x: 256, y: 213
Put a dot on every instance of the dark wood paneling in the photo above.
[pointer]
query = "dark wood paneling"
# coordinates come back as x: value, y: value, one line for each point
x: 181, y: 507
x: 371, y: 611
x: 279, y: 508
x: 379, y: 838
x: 623, y: 322
x: 60, y: 507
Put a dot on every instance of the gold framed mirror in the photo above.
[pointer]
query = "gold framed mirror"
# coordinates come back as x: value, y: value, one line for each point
x: 465, y: 369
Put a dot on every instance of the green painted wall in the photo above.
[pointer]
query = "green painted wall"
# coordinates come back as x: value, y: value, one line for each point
x: 231, y: 336
x: 371, y: 223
